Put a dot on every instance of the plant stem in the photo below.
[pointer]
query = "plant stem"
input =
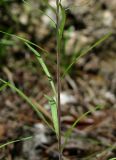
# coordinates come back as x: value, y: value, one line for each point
x: 58, y: 79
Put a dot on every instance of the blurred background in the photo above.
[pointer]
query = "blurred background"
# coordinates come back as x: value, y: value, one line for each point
x: 90, y: 82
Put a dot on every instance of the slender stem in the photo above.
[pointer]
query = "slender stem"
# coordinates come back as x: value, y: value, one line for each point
x: 58, y: 79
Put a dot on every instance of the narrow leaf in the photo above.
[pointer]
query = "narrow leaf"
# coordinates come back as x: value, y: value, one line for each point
x: 53, y: 107
x: 69, y: 131
x: 44, y: 67
x: 6, y: 42
x: 61, y: 27
x: 93, y: 155
x: 24, y: 40
x: 3, y: 86
x: 21, y: 94
x: 86, y: 51
x: 71, y: 6
x: 14, y: 141
x: 49, y: 6
x: 53, y: 22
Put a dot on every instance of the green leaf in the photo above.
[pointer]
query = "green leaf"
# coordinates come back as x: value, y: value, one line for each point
x: 3, y: 86
x: 53, y: 22
x: 69, y: 131
x: 21, y: 94
x: 53, y: 106
x: 84, y: 52
x: 71, y: 6
x: 112, y: 159
x: 49, y: 6
x: 62, y: 24
x: 24, y: 40
x: 14, y: 141
x: 6, y: 42
x: 100, y: 153
x: 44, y: 67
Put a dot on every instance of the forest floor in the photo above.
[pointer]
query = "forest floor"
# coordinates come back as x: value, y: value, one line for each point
x: 91, y: 82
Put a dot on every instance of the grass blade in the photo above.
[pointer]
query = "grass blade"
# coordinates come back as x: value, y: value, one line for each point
x: 24, y: 40
x: 49, y: 6
x: 81, y: 54
x: 53, y: 22
x: 53, y: 107
x: 71, y: 6
x: 69, y: 131
x: 14, y: 141
x: 62, y: 24
x: 44, y: 67
x: 3, y: 86
x: 93, y: 155
x: 34, y: 107
x: 6, y: 42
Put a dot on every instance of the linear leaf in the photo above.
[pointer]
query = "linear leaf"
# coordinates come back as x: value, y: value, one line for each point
x: 24, y: 40
x: 53, y: 22
x: 34, y: 107
x: 14, y: 141
x: 62, y: 24
x: 49, y: 6
x: 81, y: 54
x: 6, y: 42
x: 3, y: 86
x: 71, y: 6
x: 69, y: 131
x: 93, y: 155
x: 44, y: 67
x: 53, y: 107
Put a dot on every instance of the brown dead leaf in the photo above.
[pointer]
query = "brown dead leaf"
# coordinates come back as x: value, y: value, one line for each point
x: 2, y: 130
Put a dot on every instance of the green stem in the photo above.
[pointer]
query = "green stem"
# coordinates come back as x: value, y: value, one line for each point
x: 58, y: 79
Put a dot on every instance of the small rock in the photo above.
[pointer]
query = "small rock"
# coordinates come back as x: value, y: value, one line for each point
x: 32, y: 149
x: 110, y: 97
x: 107, y: 18
x: 23, y: 19
x: 66, y: 98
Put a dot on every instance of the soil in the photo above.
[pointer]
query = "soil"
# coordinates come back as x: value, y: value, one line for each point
x: 91, y: 82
